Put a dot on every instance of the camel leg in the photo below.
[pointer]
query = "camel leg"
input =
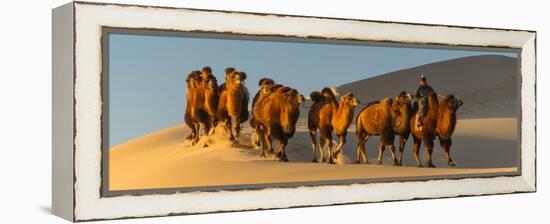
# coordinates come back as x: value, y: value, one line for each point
x: 429, y: 149
x: 446, y: 146
x: 207, y: 128
x: 416, y: 149
x: 282, y: 151
x: 261, y: 141
x: 402, y: 142
x: 212, y: 125
x: 364, y: 151
x: 330, y: 145
x: 361, y: 151
x: 196, y: 130
x: 322, y: 145
x: 235, y: 126
x: 342, y: 139
x: 313, y: 135
x: 392, y: 151
x: 381, y: 148
x: 360, y: 147
x: 227, y: 128
x: 192, y: 135
x: 268, y: 142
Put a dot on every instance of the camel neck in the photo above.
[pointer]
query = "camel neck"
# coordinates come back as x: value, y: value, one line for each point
x: 343, y: 116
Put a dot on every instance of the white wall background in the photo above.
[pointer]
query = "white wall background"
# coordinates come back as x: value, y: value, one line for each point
x: 25, y: 114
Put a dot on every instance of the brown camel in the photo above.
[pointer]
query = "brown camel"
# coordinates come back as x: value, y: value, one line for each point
x: 276, y: 117
x: 192, y: 81
x: 195, y: 111
x: 440, y: 121
x: 264, y: 91
x: 233, y: 103
x: 211, y: 96
x: 401, y: 115
x: 375, y: 119
x: 386, y: 119
x: 341, y: 120
x: 327, y: 115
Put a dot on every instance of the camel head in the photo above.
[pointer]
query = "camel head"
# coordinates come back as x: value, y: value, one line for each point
x: 266, y: 82
x: 266, y: 85
x: 451, y: 102
x: 211, y: 83
x: 349, y: 100
x: 401, y: 104
x: 404, y: 97
x: 206, y: 73
x: 235, y: 78
x: 292, y: 96
x: 328, y: 93
x: 193, y: 80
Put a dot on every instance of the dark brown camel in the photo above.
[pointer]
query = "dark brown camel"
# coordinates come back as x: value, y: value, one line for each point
x: 276, y: 117
x: 233, y: 103
x: 327, y: 115
x: 440, y: 121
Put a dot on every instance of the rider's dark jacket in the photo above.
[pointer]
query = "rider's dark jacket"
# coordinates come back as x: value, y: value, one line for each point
x: 423, y: 91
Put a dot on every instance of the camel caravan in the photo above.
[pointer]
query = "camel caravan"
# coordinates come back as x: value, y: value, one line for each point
x: 276, y: 109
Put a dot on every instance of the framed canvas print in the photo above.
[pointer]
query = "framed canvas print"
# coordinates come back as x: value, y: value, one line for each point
x: 169, y: 111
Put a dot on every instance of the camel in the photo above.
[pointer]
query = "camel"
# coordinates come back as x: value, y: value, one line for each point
x: 327, y: 115
x: 401, y: 116
x: 439, y: 121
x: 211, y: 97
x: 276, y: 116
x: 386, y: 119
x: 192, y: 81
x: 233, y: 103
x: 195, y: 111
x: 264, y: 91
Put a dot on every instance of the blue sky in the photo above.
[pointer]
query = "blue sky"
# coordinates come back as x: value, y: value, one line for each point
x: 147, y: 72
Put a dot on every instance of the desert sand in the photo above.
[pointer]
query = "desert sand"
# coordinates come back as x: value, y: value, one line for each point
x: 164, y: 159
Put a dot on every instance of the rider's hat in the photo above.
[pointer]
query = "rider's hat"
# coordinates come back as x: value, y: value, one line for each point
x: 422, y: 77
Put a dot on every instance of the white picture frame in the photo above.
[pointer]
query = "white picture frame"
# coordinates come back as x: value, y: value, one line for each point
x: 77, y: 110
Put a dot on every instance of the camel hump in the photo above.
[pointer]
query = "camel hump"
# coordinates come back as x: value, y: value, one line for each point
x: 316, y: 96
x: 372, y: 103
x: 221, y: 88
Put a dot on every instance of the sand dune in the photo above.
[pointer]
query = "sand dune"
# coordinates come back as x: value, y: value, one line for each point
x: 164, y: 160
x: 488, y: 84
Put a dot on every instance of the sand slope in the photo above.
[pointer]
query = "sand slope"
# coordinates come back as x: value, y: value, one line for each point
x: 488, y: 84
x: 164, y: 160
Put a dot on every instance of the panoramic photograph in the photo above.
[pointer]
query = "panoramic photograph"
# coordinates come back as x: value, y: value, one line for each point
x: 215, y: 112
